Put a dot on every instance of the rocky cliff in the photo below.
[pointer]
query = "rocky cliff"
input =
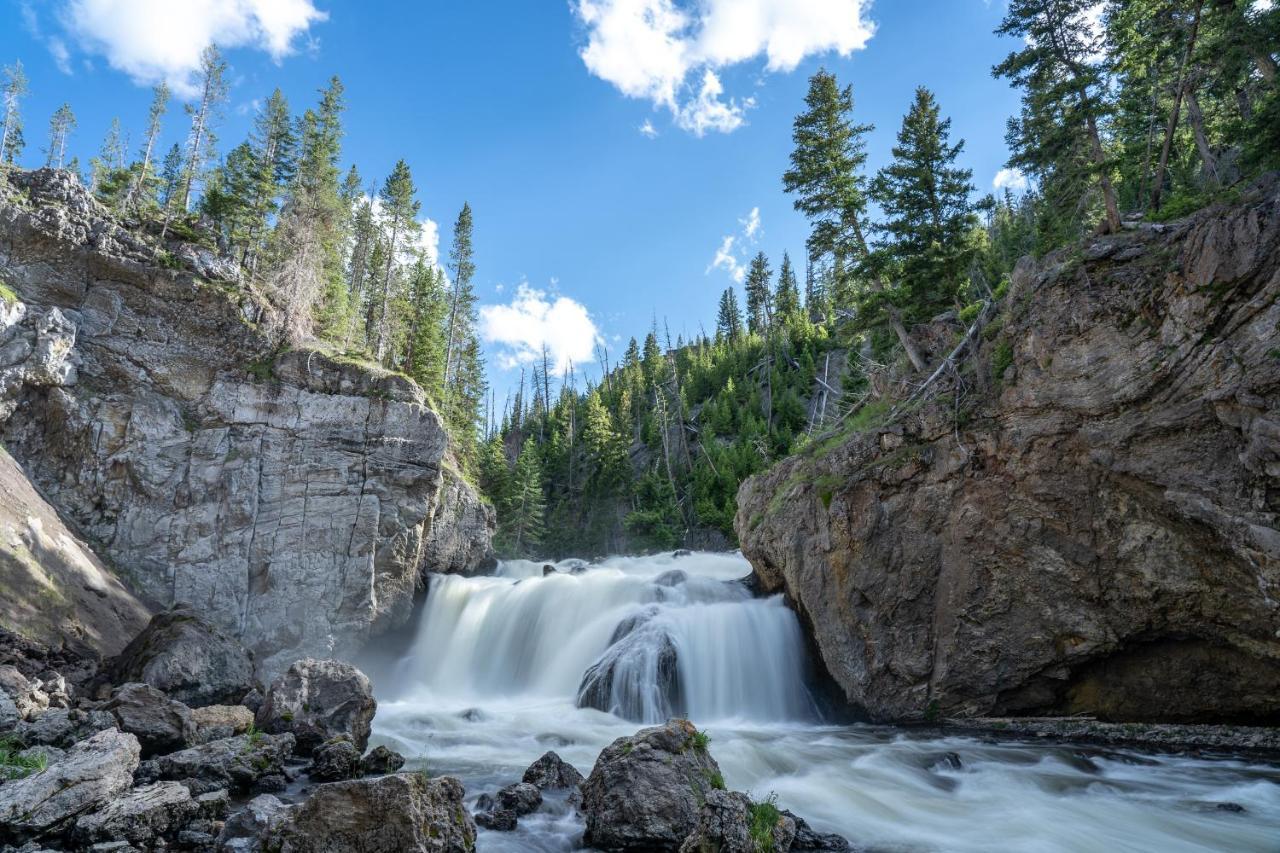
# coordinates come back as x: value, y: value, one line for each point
x: 1098, y: 533
x: 297, y: 498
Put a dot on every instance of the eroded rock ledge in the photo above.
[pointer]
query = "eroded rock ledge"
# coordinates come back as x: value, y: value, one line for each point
x: 1101, y: 534
x: 297, y: 499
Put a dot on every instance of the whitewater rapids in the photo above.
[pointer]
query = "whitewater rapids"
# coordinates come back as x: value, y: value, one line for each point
x: 492, y: 678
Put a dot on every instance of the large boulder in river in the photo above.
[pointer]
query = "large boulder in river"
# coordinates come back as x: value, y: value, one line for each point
x: 92, y: 774
x: 646, y: 791
x: 729, y: 822
x: 551, y: 772
x: 318, y: 700
x: 637, y: 677
x: 160, y: 723
x: 335, y: 760
x: 189, y: 659
x: 399, y: 813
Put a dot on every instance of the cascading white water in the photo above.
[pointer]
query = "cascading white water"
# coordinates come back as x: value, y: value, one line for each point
x: 492, y: 682
x: 724, y: 655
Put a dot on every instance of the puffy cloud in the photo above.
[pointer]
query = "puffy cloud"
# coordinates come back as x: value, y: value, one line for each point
x: 1012, y: 179
x: 533, y: 318
x: 728, y: 255
x: 669, y: 51
x: 153, y: 40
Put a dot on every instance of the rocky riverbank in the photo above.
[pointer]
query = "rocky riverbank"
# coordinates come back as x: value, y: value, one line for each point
x: 1083, y: 518
x: 176, y: 744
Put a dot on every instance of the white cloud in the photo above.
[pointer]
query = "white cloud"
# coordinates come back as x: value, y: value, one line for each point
x: 1012, y: 179
x: 533, y: 319
x: 648, y: 130
x: 153, y: 40
x: 670, y: 51
x: 729, y: 256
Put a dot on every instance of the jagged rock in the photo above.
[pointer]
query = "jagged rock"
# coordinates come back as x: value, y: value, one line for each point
x: 807, y: 839
x: 20, y: 698
x: 639, y: 644
x: 244, y: 831
x: 63, y: 727
x: 381, y: 760
x: 498, y: 820
x: 725, y: 823
x: 214, y: 805
x: 234, y: 762
x: 192, y: 661
x: 1099, y: 535
x: 297, y: 498
x: 551, y: 772
x: 335, y: 760
x: 521, y: 798
x: 318, y: 700
x: 160, y: 723
x: 645, y: 791
x: 93, y: 773
x: 214, y: 722
x: 399, y: 813
x: 140, y: 816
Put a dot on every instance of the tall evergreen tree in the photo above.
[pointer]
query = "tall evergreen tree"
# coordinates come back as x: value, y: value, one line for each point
x: 204, y: 116
x: 171, y: 178
x: 13, y: 88
x: 759, y: 289
x: 272, y: 145
x: 462, y: 301
x: 787, y: 298
x: 526, y: 504
x: 400, y: 215
x: 929, y: 218
x: 140, y: 189
x: 729, y: 317
x: 424, y: 358
x: 61, y: 126
x: 1058, y: 133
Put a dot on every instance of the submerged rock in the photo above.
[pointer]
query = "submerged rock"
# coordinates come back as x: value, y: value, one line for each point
x: 646, y: 791
x: 808, y: 839
x: 318, y: 700
x: 184, y: 656
x: 381, y: 760
x: 637, y: 677
x: 521, y: 798
x: 551, y: 772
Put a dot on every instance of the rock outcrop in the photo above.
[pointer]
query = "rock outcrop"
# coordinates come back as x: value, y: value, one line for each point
x: 297, y: 499
x: 317, y: 700
x: 1100, y: 533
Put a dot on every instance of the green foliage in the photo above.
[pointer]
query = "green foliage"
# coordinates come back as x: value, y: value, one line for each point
x: 763, y: 818
x: 715, y: 779
x: 7, y: 294
x: 700, y: 741
x: 1001, y: 358
x: 15, y: 766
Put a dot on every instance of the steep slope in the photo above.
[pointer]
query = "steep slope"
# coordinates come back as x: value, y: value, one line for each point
x: 297, y: 498
x: 1099, y: 534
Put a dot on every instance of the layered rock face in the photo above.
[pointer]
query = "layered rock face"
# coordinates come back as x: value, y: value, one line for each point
x: 1100, y: 535
x: 296, y: 499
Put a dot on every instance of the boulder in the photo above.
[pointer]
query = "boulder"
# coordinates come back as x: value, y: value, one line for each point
x: 729, y: 822
x: 318, y: 700
x: 63, y: 727
x: 245, y: 830
x: 489, y: 816
x: 399, y: 813
x: 20, y: 698
x: 335, y: 760
x: 214, y: 722
x: 646, y: 791
x: 381, y: 760
x: 810, y: 841
x: 140, y: 817
x: 187, y: 658
x: 521, y: 798
x: 639, y: 645
x: 551, y: 772
x: 93, y: 773
x: 236, y: 762
x: 160, y: 723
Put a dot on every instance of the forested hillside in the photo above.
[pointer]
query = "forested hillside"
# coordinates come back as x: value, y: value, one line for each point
x: 1153, y: 110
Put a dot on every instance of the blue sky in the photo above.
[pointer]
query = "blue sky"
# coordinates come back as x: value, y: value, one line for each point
x: 604, y: 174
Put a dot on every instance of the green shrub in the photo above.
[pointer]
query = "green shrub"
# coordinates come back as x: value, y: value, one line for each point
x: 969, y: 313
x: 1001, y: 359
x: 1002, y: 288
x: 700, y: 741
x: 7, y: 294
x: 15, y: 766
x: 763, y: 818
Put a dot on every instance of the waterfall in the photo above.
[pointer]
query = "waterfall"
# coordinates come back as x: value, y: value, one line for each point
x: 645, y: 639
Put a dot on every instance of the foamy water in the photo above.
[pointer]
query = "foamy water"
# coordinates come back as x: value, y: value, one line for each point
x: 493, y: 674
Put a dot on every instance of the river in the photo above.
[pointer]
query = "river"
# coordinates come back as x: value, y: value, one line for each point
x: 492, y: 679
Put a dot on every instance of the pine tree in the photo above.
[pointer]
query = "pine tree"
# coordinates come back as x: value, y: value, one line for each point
x: 759, y: 291
x: 170, y: 178
x: 204, y: 116
x: 928, y: 216
x: 729, y: 318
x: 400, y: 212
x: 12, y: 90
x: 61, y: 126
x: 1064, y: 94
x: 272, y: 146
x: 787, y: 299
x: 462, y: 301
x: 526, y: 505
x: 424, y: 360
x: 140, y: 190
x: 826, y: 176
x: 111, y: 178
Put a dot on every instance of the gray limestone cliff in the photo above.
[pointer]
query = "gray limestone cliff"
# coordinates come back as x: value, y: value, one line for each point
x: 297, y: 498
x: 1098, y: 533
